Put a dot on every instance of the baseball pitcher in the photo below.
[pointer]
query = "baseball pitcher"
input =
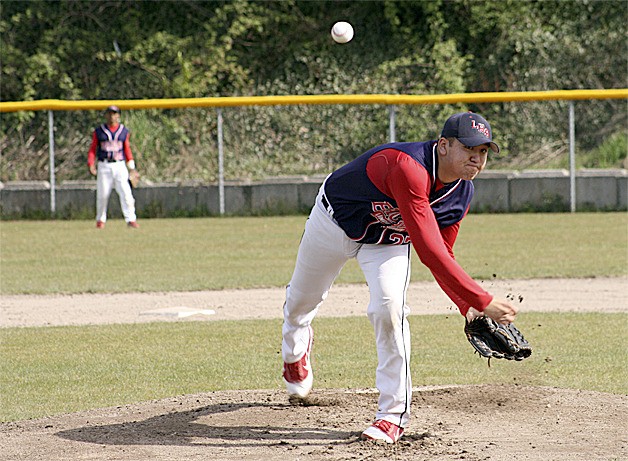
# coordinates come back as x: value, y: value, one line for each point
x: 374, y: 209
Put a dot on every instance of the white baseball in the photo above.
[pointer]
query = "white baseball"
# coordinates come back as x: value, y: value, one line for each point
x: 342, y: 32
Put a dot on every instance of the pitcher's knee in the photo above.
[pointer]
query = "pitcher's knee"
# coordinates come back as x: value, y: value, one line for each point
x: 385, y: 307
x: 299, y: 303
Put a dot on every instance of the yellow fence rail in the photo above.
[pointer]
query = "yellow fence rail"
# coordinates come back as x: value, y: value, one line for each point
x: 390, y: 100
x: 385, y: 99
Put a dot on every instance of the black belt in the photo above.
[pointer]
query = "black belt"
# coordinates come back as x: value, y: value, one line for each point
x: 106, y: 160
x: 327, y: 206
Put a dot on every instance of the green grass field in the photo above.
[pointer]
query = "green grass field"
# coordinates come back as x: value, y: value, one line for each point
x: 52, y: 370
x: 215, y: 253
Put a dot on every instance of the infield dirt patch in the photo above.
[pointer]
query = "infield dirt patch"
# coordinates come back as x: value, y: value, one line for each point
x: 534, y: 295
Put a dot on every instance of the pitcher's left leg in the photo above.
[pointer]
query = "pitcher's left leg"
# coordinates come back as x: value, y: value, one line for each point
x: 387, y: 272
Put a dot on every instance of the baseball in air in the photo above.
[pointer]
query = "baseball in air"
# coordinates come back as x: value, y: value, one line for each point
x: 342, y: 32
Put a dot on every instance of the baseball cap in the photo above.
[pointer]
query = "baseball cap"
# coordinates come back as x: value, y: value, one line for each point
x: 113, y: 109
x: 470, y: 129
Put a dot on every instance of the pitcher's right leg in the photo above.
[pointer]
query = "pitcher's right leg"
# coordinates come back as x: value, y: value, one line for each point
x: 322, y: 254
x: 387, y: 272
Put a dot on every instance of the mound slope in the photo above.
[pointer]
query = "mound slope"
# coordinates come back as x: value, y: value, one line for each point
x: 488, y: 422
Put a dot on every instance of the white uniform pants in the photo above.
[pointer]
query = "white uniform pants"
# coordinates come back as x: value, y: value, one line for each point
x: 323, y: 251
x: 114, y: 175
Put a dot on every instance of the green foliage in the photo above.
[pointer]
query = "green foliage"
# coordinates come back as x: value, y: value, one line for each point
x: 206, y: 253
x: 47, y: 371
x: 550, y: 45
x: 611, y: 153
x: 173, y: 49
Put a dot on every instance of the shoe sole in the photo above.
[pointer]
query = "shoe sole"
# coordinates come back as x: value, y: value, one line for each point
x: 302, y: 390
x: 368, y: 439
x: 378, y: 436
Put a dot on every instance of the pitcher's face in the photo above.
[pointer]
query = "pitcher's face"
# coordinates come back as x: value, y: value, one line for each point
x: 457, y: 161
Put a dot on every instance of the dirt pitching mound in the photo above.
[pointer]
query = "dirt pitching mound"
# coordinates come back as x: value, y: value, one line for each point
x: 488, y: 422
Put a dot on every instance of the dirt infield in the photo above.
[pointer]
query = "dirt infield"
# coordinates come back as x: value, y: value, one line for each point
x: 488, y: 422
x: 536, y: 295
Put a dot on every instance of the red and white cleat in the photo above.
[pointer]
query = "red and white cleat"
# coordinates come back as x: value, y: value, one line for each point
x: 298, y: 376
x: 383, y: 431
x: 100, y: 225
x: 133, y: 224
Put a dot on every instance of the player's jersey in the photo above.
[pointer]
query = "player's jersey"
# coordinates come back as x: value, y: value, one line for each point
x: 111, y: 143
x: 369, y: 216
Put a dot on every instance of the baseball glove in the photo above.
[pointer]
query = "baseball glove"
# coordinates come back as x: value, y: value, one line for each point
x: 494, y: 340
x: 134, y: 178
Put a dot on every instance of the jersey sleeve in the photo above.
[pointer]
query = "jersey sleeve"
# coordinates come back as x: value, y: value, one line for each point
x: 399, y: 176
x: 128, y: 155
x: 91, y: 154
x: 449, y: 234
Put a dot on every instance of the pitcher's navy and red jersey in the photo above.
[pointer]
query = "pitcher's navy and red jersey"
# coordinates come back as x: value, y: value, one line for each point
x: 367, y: 215
x: 392, y: 195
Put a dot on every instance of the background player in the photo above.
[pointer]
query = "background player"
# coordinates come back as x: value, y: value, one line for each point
x: 111, y: 152
x: 371, y: 209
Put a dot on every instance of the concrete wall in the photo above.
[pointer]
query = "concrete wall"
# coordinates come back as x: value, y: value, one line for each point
x: 496, y: 191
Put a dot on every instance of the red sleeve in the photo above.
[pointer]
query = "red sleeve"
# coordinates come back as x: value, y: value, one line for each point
x: 91, y: 155
x: 397, y: 175
x: 128, y: 155
x: 449, y: 235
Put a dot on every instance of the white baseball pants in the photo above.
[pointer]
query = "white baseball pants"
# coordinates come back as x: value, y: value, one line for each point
x: 114, y: 175
x: 323, y: 251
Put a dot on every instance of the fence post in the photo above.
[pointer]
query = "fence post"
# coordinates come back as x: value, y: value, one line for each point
x: 391, y: 123
x: 572, y: 158
x: 221, y: 172
x: 51, y: 154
